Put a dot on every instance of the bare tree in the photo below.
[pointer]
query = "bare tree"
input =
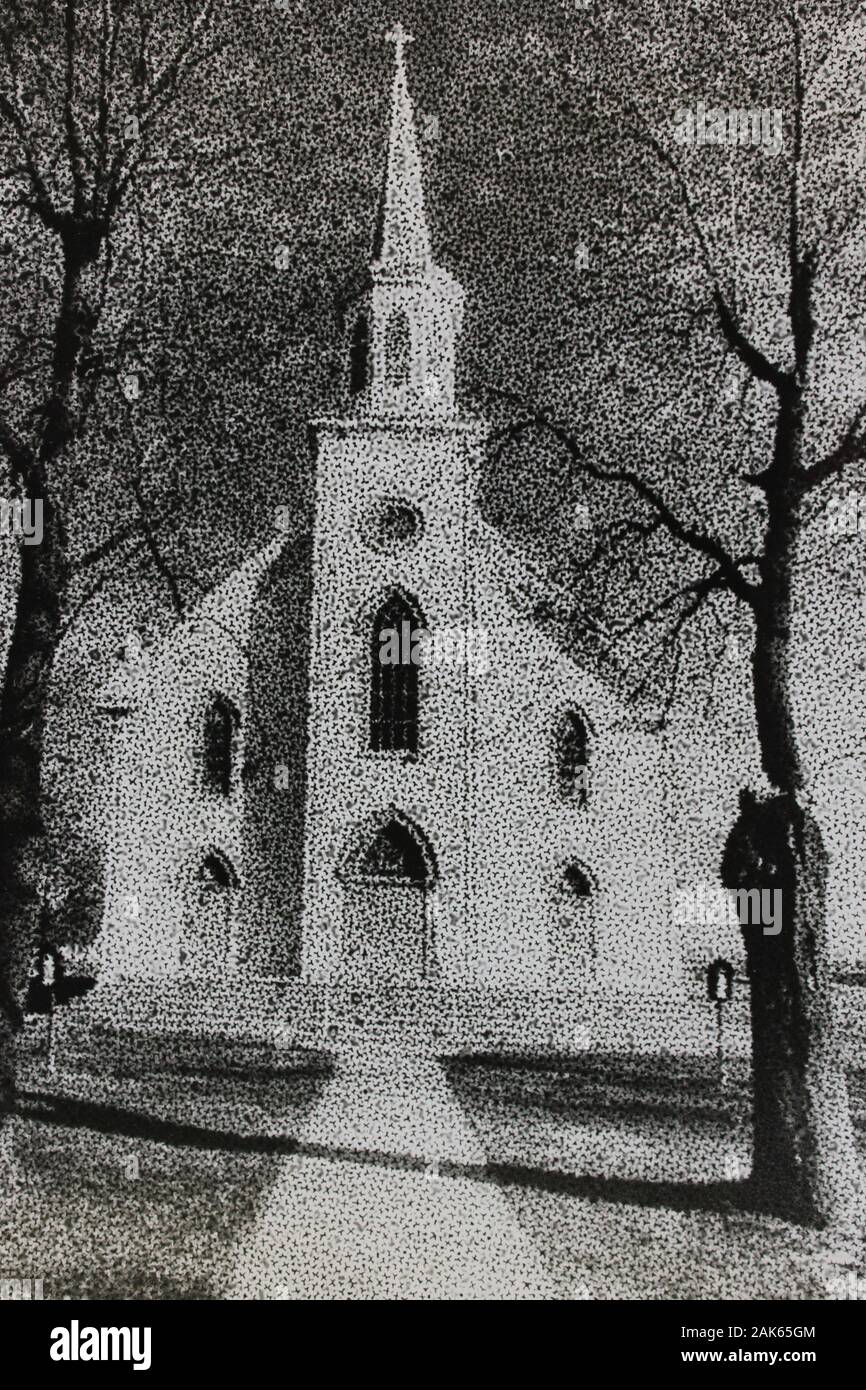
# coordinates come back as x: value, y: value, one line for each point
x: 732, y: 531
x: 88, y: 89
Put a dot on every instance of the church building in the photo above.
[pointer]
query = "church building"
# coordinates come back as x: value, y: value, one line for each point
x: 369, y: 785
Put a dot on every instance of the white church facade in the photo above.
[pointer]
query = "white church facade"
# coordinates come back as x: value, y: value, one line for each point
x: 368, y: 783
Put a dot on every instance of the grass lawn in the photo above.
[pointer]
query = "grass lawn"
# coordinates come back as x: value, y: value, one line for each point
x: 105, y: 1216
x: 625, y: 1184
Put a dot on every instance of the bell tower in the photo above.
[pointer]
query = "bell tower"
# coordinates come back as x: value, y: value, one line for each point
x: 414, y: 307
x: 389, y: 749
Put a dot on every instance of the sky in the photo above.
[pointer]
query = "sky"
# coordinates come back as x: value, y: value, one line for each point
x: 584, y: 291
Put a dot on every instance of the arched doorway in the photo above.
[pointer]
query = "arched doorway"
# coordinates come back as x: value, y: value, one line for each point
x: 387, y: 918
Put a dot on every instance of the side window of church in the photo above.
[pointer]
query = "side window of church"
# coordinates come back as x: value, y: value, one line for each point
x: 576, y: 939
x: 575, y: 883
x: 221, y: 722
x: 359, y: 356
x: 215, y: 876
x: 572, y: 756
x: 394, y: 694
x: 398, y: 349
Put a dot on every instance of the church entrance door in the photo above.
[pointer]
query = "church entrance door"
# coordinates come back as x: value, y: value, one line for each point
x: 386, y: 922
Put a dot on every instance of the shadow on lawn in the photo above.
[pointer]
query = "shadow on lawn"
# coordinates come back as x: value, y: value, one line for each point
x: 630, y: 1088
x: 114, y: 1120
x: 719, y: 1196
x: 132, y: 1124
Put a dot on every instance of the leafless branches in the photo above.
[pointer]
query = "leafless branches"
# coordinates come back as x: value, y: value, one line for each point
x: 687, y: 533
x: 850, y: 449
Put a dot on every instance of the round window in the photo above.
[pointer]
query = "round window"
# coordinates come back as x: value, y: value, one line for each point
x: 394, y: 525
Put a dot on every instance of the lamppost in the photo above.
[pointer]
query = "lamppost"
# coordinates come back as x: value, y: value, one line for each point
x: 720, y: 989
x: 116, y: 705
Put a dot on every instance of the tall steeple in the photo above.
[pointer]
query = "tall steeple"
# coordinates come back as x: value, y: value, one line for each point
x: 402, y: 244
x: 414, y: 307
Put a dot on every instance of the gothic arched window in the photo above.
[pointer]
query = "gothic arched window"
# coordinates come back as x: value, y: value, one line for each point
x: 575, y: 882
x: 221, y: 721
x: 216, y: 874
x: 358, y: 361
x: 394, y: 677
x: 572, y: 756
x: 398, y: 349
x: 395, y: 853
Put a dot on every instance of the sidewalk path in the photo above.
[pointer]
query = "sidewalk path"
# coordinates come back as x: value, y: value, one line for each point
x: 335, y: 1228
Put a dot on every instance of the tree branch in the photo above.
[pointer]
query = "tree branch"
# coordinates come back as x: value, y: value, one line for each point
x: 699, y: 589
x: 751, y: 356
x: 850, y: 449
x: 184, y: 62
x: 687, y: 534
x: 77, y: 157
x: 19, y: 454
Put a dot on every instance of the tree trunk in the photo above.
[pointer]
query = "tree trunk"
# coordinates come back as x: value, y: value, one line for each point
x: 805, y: 1164
x: 22, y: 730
x: 35, y: 637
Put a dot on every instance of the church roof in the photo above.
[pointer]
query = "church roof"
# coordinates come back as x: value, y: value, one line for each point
x: 226, y: 610
x: 402, y: 242
x: 550, y: 606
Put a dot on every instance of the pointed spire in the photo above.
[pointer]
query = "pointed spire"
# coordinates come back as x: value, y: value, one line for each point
x: 402, y: 244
